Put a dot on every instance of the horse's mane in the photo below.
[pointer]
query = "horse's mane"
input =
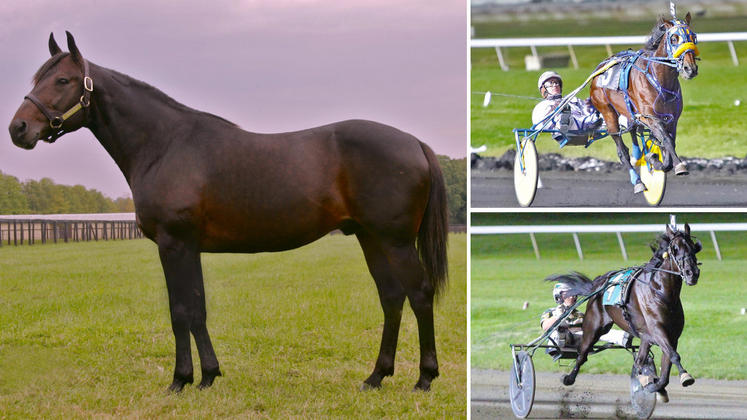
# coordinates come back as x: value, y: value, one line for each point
x: 657, y: 34
x: 127, y: 81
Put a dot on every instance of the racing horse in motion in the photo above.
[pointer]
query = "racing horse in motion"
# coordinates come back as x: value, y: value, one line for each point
x: 653, y: 311
x: 652, y: 97
x: 202, y: 184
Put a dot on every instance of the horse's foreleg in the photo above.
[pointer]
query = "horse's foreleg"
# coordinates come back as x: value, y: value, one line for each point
x: 208, y: 361
x: 624, y: 156
x: 181, y: 266
x: 669, y: 158
x: 392, y: 297
x: 669, y: 349
x: 409, y: 272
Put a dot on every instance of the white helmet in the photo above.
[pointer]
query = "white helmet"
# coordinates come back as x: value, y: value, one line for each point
x: 558, y: 291
x: 547, y: 76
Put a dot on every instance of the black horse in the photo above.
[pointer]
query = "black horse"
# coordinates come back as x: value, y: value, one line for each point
x: 653, y: 312
x: 202, y: 184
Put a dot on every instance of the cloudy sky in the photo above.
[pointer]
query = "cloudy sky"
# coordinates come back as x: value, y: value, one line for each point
x: 266, y: 65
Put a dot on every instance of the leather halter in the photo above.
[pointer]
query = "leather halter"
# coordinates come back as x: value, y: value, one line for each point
x: 57, y: 118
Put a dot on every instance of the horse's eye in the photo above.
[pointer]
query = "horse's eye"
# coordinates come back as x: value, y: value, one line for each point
x: 675, y: 39
x: 63, y: 81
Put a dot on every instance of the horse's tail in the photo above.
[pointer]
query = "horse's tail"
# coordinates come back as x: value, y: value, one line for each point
x: 578, y: 284
x: 434, y: 229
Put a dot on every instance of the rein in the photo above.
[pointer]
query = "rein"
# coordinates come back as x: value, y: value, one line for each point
x: 57, y: 118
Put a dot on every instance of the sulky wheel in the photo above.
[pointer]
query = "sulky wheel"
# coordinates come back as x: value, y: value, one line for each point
x: 521, y: 388
x: 643, y: 401
x: 654, y: 180
x: 526, y: 173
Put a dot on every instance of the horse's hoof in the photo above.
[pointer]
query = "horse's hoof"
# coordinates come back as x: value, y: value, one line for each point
x: 686, y: 379
x: 681, y: 169
x: 369, y: 387
x: 662, y: 396
x: 176, y: 387
x: 424, y: 384
x: 639, y: 188
x: 567, y: 380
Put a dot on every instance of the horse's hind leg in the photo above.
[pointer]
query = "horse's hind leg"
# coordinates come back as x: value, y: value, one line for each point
x: 392, y: 297
x: 408, y: 270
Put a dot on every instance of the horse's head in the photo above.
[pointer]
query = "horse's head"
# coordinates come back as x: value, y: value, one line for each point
x: 680, y: 43
x: 62, y: 87
x: 681, y: 250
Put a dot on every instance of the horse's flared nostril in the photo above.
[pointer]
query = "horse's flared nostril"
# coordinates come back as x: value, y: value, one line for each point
x: 18, y: 128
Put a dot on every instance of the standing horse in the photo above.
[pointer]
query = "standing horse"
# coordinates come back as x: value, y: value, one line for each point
x: 653, y: 311
x: 653, y: 98
x: 201, y: 184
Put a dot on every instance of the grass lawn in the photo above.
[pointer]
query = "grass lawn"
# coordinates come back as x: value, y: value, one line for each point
x: 85, y: 333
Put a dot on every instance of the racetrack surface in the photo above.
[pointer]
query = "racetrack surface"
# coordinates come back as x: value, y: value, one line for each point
x: 606, y: 397
x: 495, y: 189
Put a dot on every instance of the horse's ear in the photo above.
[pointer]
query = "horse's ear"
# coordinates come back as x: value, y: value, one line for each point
x: 687, y: 229
x: 74, y: 51
x: 669, y: 232
x: 687, y: 18
x: 54, y: 49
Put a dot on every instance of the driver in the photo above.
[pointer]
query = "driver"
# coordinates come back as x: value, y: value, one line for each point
x: 572, y: 323
x: 576, y: 116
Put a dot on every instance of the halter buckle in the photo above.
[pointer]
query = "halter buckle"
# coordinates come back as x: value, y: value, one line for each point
x: 88, y: 84
x: 56, y: 122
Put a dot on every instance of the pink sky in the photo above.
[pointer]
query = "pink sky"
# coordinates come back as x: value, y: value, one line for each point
x: 268, y: 66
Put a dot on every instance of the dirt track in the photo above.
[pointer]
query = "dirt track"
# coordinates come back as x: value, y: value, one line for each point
x: 495, y: 189
x: 605, y: 397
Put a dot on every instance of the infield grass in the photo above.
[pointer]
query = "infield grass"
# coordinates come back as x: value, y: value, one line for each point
x: 505, y: 274
x: 710, y: 126
x: 85, y: 333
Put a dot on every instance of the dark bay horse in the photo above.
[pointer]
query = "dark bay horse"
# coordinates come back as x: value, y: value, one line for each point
x: 653, y: 98
x: 201, y: 184
x: 653, y: 311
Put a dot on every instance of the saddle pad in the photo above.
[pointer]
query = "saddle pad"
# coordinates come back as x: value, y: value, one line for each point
x: 618, y: 287
x: 610, y: 79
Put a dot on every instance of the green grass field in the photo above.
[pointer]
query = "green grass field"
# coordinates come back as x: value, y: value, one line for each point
x: 505, y: 274
x: 710, y: 126
x: 85, y: 333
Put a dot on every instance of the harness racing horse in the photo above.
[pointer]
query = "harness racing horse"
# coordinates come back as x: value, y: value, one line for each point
x: 653, y: 98
x: 653, y: 311
x: 202, y: 184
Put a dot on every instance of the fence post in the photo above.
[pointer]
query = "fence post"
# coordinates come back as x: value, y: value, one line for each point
x: 622, y: 245
x: 578, y: 246
x: 534, y: 245
x: 715, y: 245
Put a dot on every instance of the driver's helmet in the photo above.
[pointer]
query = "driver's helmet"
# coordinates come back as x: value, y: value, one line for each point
x: 547, y: 76
x: 558, y: 291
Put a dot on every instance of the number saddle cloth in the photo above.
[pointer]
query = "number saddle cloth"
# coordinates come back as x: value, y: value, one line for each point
x: 617, y: 289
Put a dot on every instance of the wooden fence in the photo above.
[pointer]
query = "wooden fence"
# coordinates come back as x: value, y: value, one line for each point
x: 33, y: 231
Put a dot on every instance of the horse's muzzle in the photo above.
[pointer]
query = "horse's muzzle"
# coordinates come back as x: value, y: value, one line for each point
x: 689, y: 72
x: 22, y: 135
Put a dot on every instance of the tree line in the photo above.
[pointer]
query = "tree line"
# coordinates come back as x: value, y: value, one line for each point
x: 47, y: 197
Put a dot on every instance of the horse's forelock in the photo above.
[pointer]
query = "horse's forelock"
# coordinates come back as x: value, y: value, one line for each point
x: 657, y: 34
x: 48, y: 65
